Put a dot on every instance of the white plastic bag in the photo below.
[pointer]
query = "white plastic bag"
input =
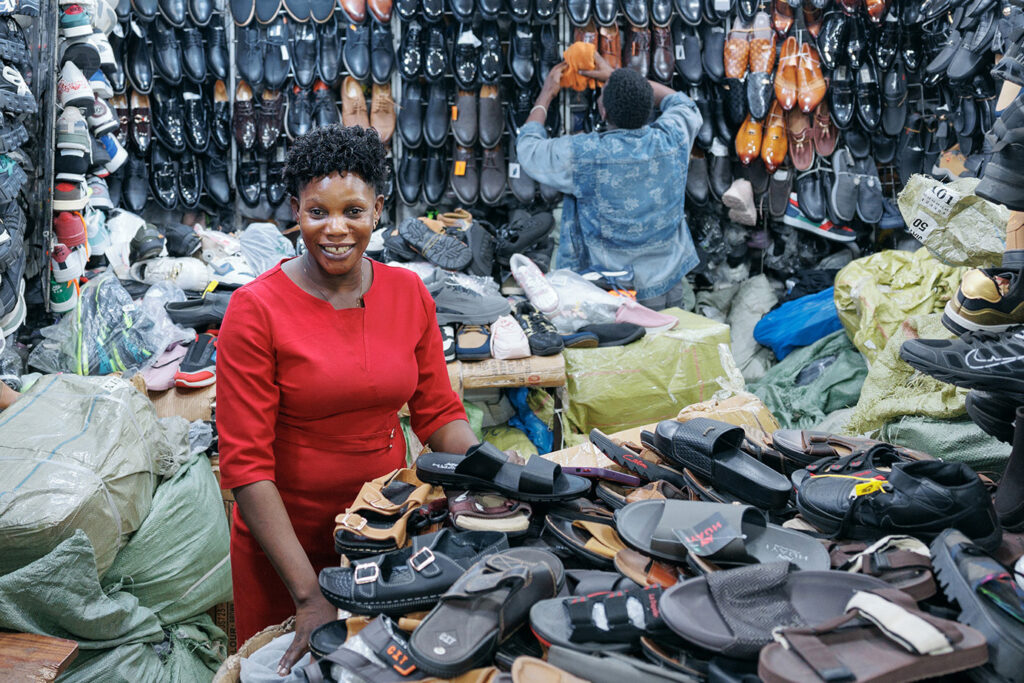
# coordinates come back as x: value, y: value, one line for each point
x: 580, y: 302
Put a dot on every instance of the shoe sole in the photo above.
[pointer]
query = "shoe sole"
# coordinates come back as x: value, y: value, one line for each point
x: 12, y: 137
x: 13, y: 52
x: 442, y: 250
x: 978, y: 410
x: 17, y: 104
x: 958, y: 324
x: 76, y: 31
x: 193, y: 381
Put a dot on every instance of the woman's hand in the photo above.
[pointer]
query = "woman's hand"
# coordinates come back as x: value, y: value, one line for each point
x: 601, y: 71
x: 309, y: 614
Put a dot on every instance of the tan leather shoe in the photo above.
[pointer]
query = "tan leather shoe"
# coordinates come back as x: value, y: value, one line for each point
x: 810, y: 82
x: 774, y: 144
x: 762, y: 45
x: 785, y: 75
x: 380, y: 9
x: 353, y: 104
x: 737, y: 52
x: 610, y: 45
x: 801, y: 145
x: 782, y: 17
x: 748, y: 140
x: 585, y: 34
x: 382, y: 111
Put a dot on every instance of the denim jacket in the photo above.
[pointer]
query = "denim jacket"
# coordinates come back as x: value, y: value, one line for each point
x: 624, y: 195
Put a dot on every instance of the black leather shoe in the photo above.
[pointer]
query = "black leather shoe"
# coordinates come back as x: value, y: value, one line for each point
x: 721, y: 125
x: 910, y: 48
x: 544, y: 10
x: 410, y: 176
x: 435, y: 125
x: 190, y: 180
x: 747, y: 9
x: 217, y: 186
x: 135, y: 188
x: 138, y: 59
x: 520, y: 55
x: 519, y: 109
x: 247, y: 180
x: 719, y: 169
x: 661, y: 12
x: 435, y: 176
x: 712, y: 53
x: 269, y: 120
x: 759, y: 94
x: 168, y: 117
x: 869, y: 99
x: 217, y: 51
x: 832, y: 38
x: 841, y: 101
x: 410, y: 114
x: 492, y: 176
x: 463, y: 10
x: 605, y: 12
x: 894, y: 100
x: 145, y: 10
x: 635, y: 11
x: 299, y: 117
x: 810, y: 194
x: 166, y: 51
x: 435, y: 58
x: 193, y: 55
x: 490, y: 54
x: 200, y: 11
x: 220, y: 128
x: 382, y: 54
x: 249, y: 55
x: 697, y: 180
x: 278, y: 60
x: 465, y: 175
x: 163, y: 176
x: 302, y: 50
x: 410, y: 53
x: 911, y: 146
x: 523, y: 187
x: 491, y: 121
x: 735, y: 103
x: 689, y: 11
x: 242, y: 11
x: 886, y: 44
x: 489, y: 9
x: 856, y: 42
x: 197, y: 119
x: 407, y: 10
x: 276, y: 188
x: 173, y: 11
x: 118, y: 77
x: 356, y: 52
x: 579, y: 11
x: 465, y: 58
x: 465, y: 118
x: 433, y: 10
x: 328, y: 51
x: 520, y: 10
x: 706, y: 132
x: 550, y: 55
x: 325, y: 108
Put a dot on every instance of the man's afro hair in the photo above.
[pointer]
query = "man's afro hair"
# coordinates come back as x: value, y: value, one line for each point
x: 628, y: 99
x: 336, y: 149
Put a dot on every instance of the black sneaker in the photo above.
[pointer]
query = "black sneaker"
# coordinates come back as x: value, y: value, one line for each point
x: 181, y: 240
x: 994, y: 412
x: 15, y: 95
x: 524, y: 231
x: 977, y: 360
x: 540, y: 332
x: 990, y: 299
x: 147, y: 243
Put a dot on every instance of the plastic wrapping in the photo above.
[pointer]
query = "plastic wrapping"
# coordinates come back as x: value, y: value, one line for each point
x: 122, y: 226
x: 798, y: 323
x: 264, y: 246
x: 956, y: 226
x: 875, y: 294
x: 164, y: 332
x: 78, y: 453
x: 580, y: 302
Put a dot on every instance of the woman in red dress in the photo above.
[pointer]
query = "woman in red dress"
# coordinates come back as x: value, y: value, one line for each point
x: 314, y: 360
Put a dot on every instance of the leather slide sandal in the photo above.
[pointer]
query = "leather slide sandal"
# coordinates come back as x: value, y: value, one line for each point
x: 613, y: 621
x: 439, y: 248
x: 646, y: 571
x: 712, y: 450
x: 807, y: 446
x: 411, y: 578
x: 903, y: 562
x: 485, y: 468
x: 327, y: 638
x: 881, y: 637
x: 489, y: 512
x: 617, y: 495
x: 716, y: 532
x: 873, y: 463
x: 594, y: 543
x: 588, y: 581
x: 734, y: 612
x: 643, y: 463
x: 483, y: 608
x: 533, y: 670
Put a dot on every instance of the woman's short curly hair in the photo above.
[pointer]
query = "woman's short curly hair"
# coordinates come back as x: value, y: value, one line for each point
x: 336, y: 149
x: 628, y: 99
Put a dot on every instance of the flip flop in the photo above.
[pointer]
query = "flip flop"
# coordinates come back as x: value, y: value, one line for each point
x: 715, y: 532
x: 711, y: 449
x: 600, y: 622
x: 485, y: 468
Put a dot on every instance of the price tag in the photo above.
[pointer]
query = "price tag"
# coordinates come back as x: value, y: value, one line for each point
x: 513, y: 170
x: 940, y: 200
x: 680, y: 53
x: 455, y: 113
x: 284, y: 53
x: 460, y: 168
x: 921, y: 226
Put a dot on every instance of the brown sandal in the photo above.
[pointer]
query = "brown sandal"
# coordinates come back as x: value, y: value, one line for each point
x: 646, y: 571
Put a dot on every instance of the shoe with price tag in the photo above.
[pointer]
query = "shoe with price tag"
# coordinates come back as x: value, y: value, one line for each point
x: 990, y: 299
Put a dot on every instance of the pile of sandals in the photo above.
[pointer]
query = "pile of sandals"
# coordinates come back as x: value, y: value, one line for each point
x: 702, y: 553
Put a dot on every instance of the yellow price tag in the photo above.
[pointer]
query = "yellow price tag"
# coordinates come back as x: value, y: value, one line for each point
x: 869, y: 487
x: 460, y: 168
x: 210, y: 287
x: 455, y: 113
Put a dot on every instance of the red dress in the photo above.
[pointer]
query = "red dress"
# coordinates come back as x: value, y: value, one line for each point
x: 307, y: 397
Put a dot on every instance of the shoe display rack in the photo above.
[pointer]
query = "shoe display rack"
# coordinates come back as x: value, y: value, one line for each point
x: 41, y: 33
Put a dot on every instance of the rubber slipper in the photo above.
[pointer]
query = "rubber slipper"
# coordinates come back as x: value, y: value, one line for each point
x: 644, y: 463
x: 483, y: 608
x: 618, y: 496
x: 392, y: 661
x: 489, y: 512
x: 881, y: 637
x: 439, y: 248
x: 592, y: 542
x: 646, y: 571
x: 613, y: 621
x: 712, y: 449
x: 716, y: 532
x: 329, y: 637
x: 409, y: 579
x: 734, y: 612
x: 485, y: 468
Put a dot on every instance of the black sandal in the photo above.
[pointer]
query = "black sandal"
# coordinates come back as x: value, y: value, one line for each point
x: 572, y: 622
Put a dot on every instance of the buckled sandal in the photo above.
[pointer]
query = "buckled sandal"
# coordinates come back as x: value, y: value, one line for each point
x: 381, y: 516
x: 613, y: 621
x: 874, y: 463
x: 647, y: 571
x: 409, y: 579
x: 489, y: 512
x: 381, y: 637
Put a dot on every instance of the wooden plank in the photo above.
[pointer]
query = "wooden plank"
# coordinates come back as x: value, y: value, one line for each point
x: 30, y: 657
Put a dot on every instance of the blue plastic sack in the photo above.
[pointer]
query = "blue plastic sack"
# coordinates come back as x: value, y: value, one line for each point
x: 799, y: 322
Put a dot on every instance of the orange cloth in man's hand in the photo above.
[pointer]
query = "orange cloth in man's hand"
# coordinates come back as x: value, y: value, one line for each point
x: 579, y: 57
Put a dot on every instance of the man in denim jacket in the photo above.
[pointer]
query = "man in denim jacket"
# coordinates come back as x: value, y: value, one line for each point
x: 624, y: 188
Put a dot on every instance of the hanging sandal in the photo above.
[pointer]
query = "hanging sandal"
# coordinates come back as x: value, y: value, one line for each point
x: 613, y: 621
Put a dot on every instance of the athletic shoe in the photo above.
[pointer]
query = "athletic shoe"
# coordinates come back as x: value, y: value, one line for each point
x: 508, y: 341
x: 99, y: 195
x: 15, y: 95
x: 15, y: 318
x: 199, y: 366
x: 182, y: 240
x: 67, y: 264
x: 108, y: 62
x: 977, y: 360
x: 73, y: 131
x: 101, y: 86
x: 69, y: 193
x: 448, y: 342
x: 232, y: 271
x: 795, y: 217
x: 148, y: 243
x: 12, y: 134
x: 74, y: 21
x: 102, y: 119
x: 73, y: 89
x: 13, y: 47
x: 188, y: 273
x: 542, y: 335
x: 118, y: 155
x: 96, y: 227
x: 70, y: 228
x: 994, y: 412
x: 990, y: 299
x: 12, y: 177
x: 539, y: 291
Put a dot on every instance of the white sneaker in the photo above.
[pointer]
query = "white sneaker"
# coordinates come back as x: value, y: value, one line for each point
x: 96, y: 231
x: 73, y: 89
x: 100, y: 42
x: 102, y: 119
x: 115, y: 151
x: 186, y: 272
x: 67, y: 264
x: 232, y: 270
x: 104, y: 17
x: 508, y: 341
x: 538, y: 290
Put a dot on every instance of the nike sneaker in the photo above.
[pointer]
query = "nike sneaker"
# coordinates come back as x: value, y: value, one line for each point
x: 985, y: 361
x: 990, y: 299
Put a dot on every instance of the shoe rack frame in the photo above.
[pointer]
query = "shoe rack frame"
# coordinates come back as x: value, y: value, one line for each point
x: 41, y: 33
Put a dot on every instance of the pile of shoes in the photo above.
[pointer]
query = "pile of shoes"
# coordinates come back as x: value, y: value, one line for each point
x: 700, y: 553
x: 294, y: 63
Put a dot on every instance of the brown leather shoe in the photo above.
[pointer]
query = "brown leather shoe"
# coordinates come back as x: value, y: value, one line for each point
x: 737, y: 52
x: 382, y: 112
x: 662, y: 62
x: 813, y: 17
x: 465, y: 118
x: 243, y: 118
x: 270, y: 120
x: 353, y: 104
x: 492, y: 176
x: 810, y: 82
x: 465, y: 178
x: 823, y: 131
x: 380, y: 9
x: 610, y: 45
x: 356, y: 10
x: 748, y: 140
x: 785, y: 75
x: 774, y: 144
x: 782, y: 16
x: 801, y: 146
x: 491, y: 117
x: 585, y: 34
x: 638, y: 57
x: 762, y: 45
